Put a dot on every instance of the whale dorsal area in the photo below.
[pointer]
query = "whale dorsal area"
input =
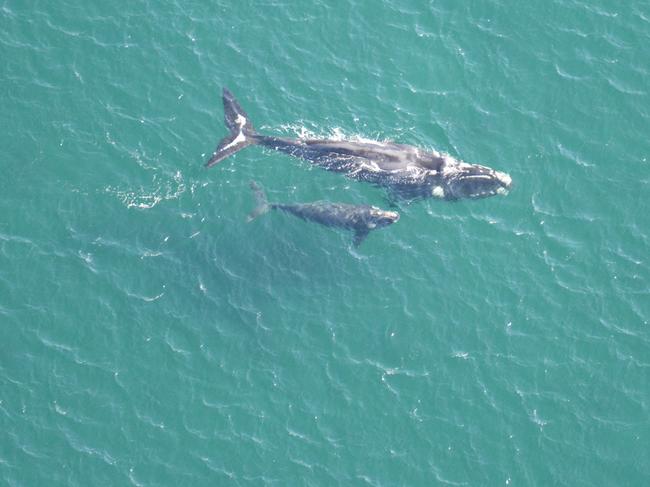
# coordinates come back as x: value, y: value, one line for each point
x: 389, y: 155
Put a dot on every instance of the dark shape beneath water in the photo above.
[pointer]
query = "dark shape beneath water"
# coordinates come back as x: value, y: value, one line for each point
x: 359, y: 218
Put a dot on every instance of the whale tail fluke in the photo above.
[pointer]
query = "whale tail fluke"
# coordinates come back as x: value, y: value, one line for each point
x: 242, y: 133
x: 261, y: 202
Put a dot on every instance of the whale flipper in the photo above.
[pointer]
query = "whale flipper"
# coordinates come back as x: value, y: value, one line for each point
x: 360, y: 236
x: 242, y: 133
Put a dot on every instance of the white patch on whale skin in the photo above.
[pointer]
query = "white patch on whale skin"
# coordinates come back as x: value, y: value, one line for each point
x: 236, y: 140
x: 367, y: 166
x: 455, y: 167
x: 438, y: 192
x: 241, y: 120
x: 379, y: 143
x: 335, y: 134
x: 504, y: 178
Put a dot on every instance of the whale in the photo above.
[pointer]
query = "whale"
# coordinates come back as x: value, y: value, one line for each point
x: 406, y: 171
x: 361, y: 219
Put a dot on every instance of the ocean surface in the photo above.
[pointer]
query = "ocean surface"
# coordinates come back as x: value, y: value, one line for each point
x: 149, y: 336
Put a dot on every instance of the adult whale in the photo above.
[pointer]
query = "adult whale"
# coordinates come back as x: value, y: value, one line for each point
x: 407, y: 171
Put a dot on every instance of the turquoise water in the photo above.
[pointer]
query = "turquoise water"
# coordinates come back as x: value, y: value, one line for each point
x: 152, y: 337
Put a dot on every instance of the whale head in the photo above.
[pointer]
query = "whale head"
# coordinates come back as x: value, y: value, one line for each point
x: 380, y: 218
x: 474, y: 181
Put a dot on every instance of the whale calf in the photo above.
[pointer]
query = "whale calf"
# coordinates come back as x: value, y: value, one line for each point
x: 359, y: 218
x: 407, y: 171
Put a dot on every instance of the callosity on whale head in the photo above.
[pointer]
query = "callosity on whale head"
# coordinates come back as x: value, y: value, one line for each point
x: 474, y: 181
x: 381, y: 218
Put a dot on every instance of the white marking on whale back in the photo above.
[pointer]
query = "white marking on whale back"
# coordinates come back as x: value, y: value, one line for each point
x: 450, y: 169
x: 338, y: 134
x: 438, y: 192
x: 335, y: 134
x: 366, y: 166
x: 359, y: 138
